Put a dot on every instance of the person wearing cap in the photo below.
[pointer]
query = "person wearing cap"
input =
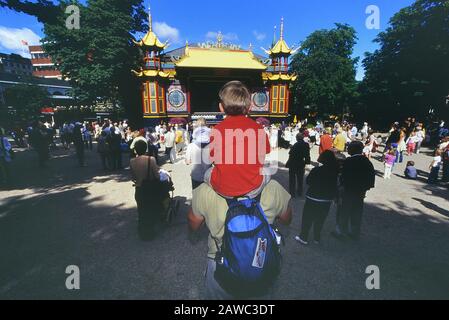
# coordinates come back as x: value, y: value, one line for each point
x: 197, y: 153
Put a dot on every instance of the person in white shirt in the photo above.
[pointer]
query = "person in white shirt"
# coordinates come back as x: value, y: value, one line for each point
x: 293, y: 134
x: 201, y: 133
x: 420, y: 135
x: 198, y: 155
x: 170, y: 144
x: 273, y: 134
x: 364, y: 130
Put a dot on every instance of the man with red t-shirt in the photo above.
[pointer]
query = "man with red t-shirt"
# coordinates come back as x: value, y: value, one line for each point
x: 326, y: 142
x: 238, y: 147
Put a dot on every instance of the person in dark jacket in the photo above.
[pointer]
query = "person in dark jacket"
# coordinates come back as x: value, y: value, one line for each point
x: 357, y: 178
x: 114, y: 140
x: 40, y: 142
x: 299, y: 157
x: 322, y: 182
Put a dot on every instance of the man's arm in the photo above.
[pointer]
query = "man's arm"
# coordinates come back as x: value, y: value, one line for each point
x: 195, y: 222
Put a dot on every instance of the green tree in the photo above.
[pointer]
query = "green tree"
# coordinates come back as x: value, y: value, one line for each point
x: 408, y: 74
x: 26, y: 100
x: 97, y: 58
x: 326, y: 71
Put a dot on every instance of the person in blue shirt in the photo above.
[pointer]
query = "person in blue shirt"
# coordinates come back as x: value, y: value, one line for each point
x: 410, y: 171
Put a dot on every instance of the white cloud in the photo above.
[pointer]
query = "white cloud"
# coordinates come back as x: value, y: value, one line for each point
x: 259, y: 36
x: 11, y: 39
x: 166, y: 32
x: 226, y: 36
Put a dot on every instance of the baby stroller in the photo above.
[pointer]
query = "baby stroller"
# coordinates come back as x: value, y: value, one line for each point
x: 171, y: 204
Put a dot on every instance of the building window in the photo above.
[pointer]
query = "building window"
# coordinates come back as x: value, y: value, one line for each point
x: 279, y: 99
x: 153, y: 97
x: 145, y: 90
x: 161, y: 96
x: 275, y: 99
x: 152, y: 90
x: 282, y: 98
x: 153, y: 106
x: 146, y: 108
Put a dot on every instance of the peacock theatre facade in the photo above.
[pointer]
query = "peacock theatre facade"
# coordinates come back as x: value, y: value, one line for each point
x: 184, y: 83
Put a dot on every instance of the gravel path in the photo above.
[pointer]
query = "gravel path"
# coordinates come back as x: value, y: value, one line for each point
x: 65, y: 215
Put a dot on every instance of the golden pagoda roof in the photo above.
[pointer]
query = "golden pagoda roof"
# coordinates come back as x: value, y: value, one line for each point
x: 281, y: 47
x: 279, y: 76
x: 150, y: 39
x: 219, y: 58
x: 155, y: 73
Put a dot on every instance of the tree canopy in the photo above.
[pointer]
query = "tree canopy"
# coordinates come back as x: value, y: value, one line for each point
x: 26, y: 101
x: 326, y: 70
x: 98, y: 57
x: 408, y: 74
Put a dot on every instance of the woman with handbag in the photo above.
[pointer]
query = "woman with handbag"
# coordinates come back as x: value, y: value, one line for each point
x: 145, y: 175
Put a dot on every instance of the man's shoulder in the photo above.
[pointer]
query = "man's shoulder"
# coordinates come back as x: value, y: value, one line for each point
x: 204, y: 192
x: 271, y: 186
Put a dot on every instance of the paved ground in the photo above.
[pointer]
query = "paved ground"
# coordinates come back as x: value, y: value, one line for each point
x: 64, y: 215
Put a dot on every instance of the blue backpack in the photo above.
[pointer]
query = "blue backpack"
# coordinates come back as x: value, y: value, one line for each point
x: 249, y: 259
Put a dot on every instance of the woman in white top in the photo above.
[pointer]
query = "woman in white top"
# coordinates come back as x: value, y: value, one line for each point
x: 273, y: 138
x: 420, y: 135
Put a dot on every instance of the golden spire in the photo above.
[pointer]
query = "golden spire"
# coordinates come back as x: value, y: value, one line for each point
x: 280, y: 47
x: 150, y: 19
x: 186, y: 50
x: 150, y: 40
x: 282, y: 28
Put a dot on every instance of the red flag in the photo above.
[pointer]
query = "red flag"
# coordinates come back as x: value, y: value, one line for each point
x: 24, y: 43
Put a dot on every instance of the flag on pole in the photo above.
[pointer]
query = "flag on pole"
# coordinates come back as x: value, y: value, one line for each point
x: 24, y: 42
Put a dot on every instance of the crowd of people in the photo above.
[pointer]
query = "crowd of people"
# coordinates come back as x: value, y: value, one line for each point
x: 230, y: 181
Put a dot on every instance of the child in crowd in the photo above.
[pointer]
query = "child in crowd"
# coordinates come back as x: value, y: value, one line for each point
x: 435, y: 167
x: 410, y: 171
x: 238, y: 147
x: 411, y: 143
x: 390, y: 158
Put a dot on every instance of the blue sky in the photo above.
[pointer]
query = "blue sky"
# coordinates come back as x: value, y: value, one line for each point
x: 241, y: 22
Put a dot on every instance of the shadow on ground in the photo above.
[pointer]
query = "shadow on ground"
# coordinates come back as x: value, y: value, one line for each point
x: 66, y: 224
